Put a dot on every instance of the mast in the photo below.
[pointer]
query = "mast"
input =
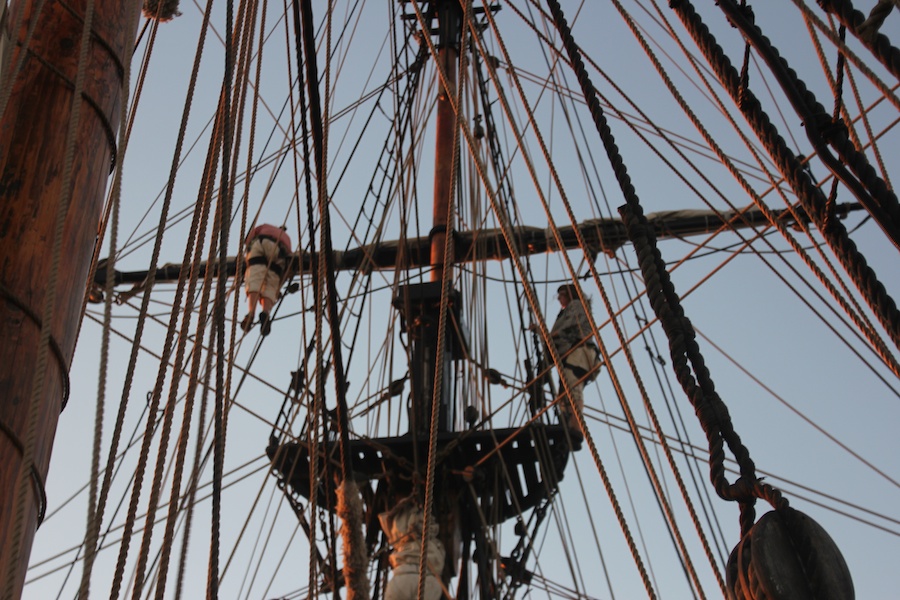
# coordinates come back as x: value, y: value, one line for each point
x: 449, y: 16
x: 420, y: 303
x: 39, y: 323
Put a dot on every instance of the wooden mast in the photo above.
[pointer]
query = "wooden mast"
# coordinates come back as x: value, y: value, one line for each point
x: 33, y: 133
x: 448, y: 56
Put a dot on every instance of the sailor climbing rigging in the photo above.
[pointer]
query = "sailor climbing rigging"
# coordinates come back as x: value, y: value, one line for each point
x: 571, y: 339
x: 268, y: 251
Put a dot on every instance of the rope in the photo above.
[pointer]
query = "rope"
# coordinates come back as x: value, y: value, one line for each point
x: 195, y: 476
x: 326, y: 258
x: 248, y: 38
x: 318, y: 397
x: 151, y: 277
x: 854, y: 312
x: 848, y: 53
x: 810, y: 196
x: 778, y: 224
x: 823, y: 131
x: 212, y: 591
x: 446, y: 274
x: 222, y: 213
x: 630, y: 195
x: 711, y: 411
x: 530, y: 294
x: 93, y: 524
x: 37, y: 406
x: 873, y: 139
x: 188, y: 408
x: 867, y: 29
x: 192, y: 254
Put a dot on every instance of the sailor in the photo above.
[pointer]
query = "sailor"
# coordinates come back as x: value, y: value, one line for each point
x: 571, y: 336
x: 268, y: 251
x: 403, y: 526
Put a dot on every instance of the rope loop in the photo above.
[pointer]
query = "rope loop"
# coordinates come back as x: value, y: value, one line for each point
x: 688, y: 363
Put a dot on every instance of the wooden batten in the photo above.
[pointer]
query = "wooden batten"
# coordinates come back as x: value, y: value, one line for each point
x: 32, y: 162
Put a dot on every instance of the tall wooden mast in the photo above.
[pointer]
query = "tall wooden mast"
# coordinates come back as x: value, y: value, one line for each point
x: 449, y: 17
x: 33, y: 134
x: 419, y: 303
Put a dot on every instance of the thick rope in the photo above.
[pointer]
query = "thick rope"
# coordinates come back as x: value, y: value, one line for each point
x: 848, y: 304
x: 628, y: 190
x: 822, y: 131
x: 867, y: 30
x: 845, y: 51
x: 212, y: 589
x: 863, y: 327
x: 811, y: 197
x: 318, y: 400
x: 711, y: 411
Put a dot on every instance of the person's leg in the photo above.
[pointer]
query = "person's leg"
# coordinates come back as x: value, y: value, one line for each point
x: 265, y: 321
x: 253, y: 282
x: 268, y: 295
x: 252, y: 301
x: 576, y: 393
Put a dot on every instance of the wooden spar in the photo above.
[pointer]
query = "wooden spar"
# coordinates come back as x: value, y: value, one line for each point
x: 32, y: 163
x: 601, y: 235
x: 448, y: 55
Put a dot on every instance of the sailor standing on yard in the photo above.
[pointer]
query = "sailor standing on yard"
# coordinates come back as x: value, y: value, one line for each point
x: 268, y: 251
x: 571, y: 336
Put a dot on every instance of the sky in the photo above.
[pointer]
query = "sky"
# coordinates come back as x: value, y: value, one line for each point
x: 817, y: 413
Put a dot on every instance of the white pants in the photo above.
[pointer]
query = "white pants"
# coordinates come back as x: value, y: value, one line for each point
x: 259, y: 278
x: 583, y: 357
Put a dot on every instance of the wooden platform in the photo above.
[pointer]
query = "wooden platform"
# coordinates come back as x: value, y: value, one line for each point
x: 510, y: 470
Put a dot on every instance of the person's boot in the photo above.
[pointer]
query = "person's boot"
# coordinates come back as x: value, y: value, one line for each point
x: 247, y: 323
x: 265, y: 324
